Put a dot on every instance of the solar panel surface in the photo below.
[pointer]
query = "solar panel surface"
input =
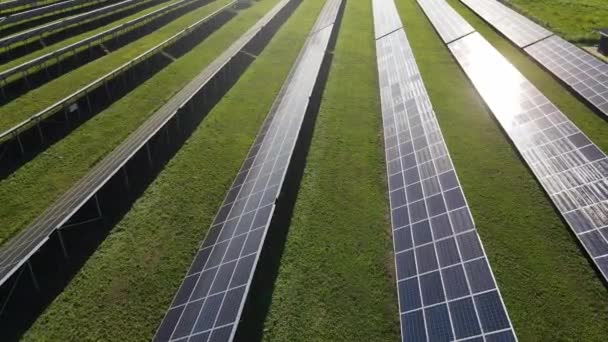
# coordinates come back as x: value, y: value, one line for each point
x: 519, y: 29
x: 450, y: 27
x: 209, y: 302
x: 386, y: 18
x: 570, y: 167
x: 445, y: 285
x: 582, y: 72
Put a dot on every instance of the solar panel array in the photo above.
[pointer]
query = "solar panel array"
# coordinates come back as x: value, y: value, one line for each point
x: 386, y: 18
x: 17, y: 251
x: 54, y: 7
x: 570, y: 167
x: 452, y: 27
x: 582, y: 72
x: 208, y: 304
x: 521, y: 30
x: 445, y: 285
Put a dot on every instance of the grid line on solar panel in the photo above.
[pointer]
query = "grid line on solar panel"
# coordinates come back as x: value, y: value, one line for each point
x: 213, y: 292
x: 571, y: 168
x: 516, y: 27
x: 386, y: 17
x: 452, y: 26
x: 445, y: 286
x: 585, y: 74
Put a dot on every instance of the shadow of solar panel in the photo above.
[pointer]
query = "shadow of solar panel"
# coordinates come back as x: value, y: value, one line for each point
x: 570, y: 167
x: 443, y: 273
x: 450, y: 25
x: 212, y: 295
x: 517, y: 28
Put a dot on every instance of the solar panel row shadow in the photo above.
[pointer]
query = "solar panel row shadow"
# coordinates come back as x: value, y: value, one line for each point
x: 571, y: 168
x: 17, y: 251
x: 209, y: 302
x: 583, y: 73
x: 445, y: 285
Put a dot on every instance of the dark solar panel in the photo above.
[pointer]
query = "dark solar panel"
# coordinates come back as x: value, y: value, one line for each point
x: 450, y: 25
x: 582, y: 72
x: 386, y: 18
x: 570, y: 167
x: 519, y: 29
x: 209, y: 302
x: 445, y: 285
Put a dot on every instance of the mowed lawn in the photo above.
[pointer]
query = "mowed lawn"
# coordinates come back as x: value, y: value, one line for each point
x: 571, y: 19
x: 551, y: 291
x: 334, y: 279
x: 124, y: 289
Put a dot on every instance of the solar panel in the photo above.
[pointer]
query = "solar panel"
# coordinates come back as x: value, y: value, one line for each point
x: 450, y: 25
x: 210, y: 300
x: 519, y: 29
x: 386, y: 17
x: 445, y: 286
x: 582, y: 72
x: 570, y: 167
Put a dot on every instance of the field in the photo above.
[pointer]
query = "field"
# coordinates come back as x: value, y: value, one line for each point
x: 327, y: 272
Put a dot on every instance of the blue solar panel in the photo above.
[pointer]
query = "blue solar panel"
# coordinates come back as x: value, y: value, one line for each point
x: 570, y: 167
x: 209, y: 302
x: 445, y: 285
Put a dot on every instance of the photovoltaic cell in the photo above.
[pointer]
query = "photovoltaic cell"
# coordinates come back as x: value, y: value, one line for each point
x: 585, y: 74
x: 209, y: 302
x: 570, y: 167
x: 519, y: 29
x: 452, y: 26
x: 445, y: 285
x: 386, y: 17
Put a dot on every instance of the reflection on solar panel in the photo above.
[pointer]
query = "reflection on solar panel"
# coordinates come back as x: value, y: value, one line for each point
x: 386, y: 18
x: 583, y: 73
x: 572, y: 170
x: 521, y: 30
x: 208, y: 304
x: 445, y: 285
x: 451, y: 27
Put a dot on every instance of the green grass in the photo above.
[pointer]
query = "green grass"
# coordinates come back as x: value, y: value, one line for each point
x: 571, y: 19
x: 77, y: 38
x: 124, y: 289
x: 334, y: 280
x: 550, y: 289
x: 27, y: 192
x: 40, y: 98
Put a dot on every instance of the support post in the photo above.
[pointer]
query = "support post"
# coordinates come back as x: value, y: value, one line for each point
x: 62, y: 243
x: 34, y: 279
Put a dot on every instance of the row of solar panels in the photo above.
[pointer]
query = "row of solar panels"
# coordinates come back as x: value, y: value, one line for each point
x: 18, y: 250
x: 208, y: 304
x: 37, y: 63
x: 586, y: 75
x: 445, y: 285
x: 570, y: 167
x: 71, y: 103
x: 40, y: 31
x: 10, y: 4
x: 52, y: 8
